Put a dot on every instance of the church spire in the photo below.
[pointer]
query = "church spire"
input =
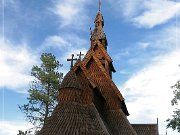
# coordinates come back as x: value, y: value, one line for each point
x: 98, y: 32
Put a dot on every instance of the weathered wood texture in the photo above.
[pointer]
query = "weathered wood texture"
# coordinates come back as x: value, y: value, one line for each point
x: 74, y: 119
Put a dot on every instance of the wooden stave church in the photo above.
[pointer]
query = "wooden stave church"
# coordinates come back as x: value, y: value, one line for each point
x: 89, y: 103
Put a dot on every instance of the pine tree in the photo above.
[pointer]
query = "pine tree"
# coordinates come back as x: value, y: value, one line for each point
x: 43, y: 90
x: 174, y: 122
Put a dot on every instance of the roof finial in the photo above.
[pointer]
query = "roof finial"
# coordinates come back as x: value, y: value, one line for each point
x: 90, y: 31
x: 72, y: 60
x: 99, y: 5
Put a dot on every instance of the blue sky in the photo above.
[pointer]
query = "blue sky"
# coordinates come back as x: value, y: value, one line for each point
x: 143, y: 41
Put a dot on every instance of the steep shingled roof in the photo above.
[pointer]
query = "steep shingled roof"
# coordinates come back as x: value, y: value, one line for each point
x: 74, y: 119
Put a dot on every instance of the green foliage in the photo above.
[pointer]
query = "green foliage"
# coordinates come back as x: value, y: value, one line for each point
x: 43, y: 90
x: 174, y: 122
x: 27, y: 132
x: 22, y: 133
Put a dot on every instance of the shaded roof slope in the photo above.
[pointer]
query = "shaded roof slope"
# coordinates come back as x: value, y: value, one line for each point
x: 74, y: 119
x: 146, y: 129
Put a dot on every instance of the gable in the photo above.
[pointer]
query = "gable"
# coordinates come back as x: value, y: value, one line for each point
x: 104, y: 86
x: 97, y: 46
x: 99, y: 54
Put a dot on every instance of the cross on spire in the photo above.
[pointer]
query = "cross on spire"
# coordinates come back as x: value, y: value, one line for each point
x: 72, y: 60
x: 80, y: 54
x: 99, y: 5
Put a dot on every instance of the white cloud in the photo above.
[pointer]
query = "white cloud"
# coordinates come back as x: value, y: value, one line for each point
x: 143, y: 45
x: 129, y: 8
x: 65, y: 41
x: 56, y: 41
x: 157, y: 12
x: 71, y: 13
x: 67, y: 44
x: 12, y: 127
x: 148, y: 92
x: 167, y: 38
x: 157, y: 43
x: 15, y: 65
x: 148, y: 13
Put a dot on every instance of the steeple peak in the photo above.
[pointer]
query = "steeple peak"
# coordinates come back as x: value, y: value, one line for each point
x: 99, y: 5
x: 99, y: 21
x: 98, y: 32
